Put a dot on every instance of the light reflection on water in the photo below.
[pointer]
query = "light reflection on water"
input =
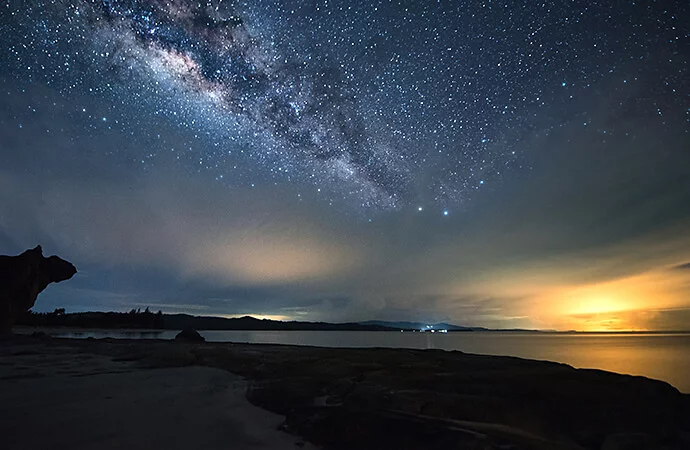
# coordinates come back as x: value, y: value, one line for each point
x: 661, y: 356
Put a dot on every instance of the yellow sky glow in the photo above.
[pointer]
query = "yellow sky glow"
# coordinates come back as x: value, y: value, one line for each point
x: 624, y: 304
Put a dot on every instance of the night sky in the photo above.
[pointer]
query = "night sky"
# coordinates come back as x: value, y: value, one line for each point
x: 493, y: 163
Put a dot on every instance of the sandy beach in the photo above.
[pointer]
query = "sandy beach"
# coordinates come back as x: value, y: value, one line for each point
x: 64, y: 399
x: 109, y: 394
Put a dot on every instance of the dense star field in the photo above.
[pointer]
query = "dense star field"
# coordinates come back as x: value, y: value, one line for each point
x: 495, y: 163
x: 389, y: 104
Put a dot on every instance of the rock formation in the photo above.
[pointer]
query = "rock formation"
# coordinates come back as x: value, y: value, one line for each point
x: 189, y: 335
x: 23, y: 277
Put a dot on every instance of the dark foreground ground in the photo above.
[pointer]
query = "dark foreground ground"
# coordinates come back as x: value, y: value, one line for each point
x: 329, y: 398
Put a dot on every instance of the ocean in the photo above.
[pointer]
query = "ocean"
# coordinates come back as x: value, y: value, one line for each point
x: 662, y: 356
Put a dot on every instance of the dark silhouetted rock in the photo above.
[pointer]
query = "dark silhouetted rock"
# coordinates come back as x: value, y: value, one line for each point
x: 40, y: 335
x: 189, y: 335
x: 630, y: 441
x: 23, y: 277
x: 404, y: 399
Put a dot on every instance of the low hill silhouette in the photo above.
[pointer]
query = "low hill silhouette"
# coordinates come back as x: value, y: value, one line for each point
x: 149, y: 320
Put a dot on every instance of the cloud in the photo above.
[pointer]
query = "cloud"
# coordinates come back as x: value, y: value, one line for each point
x: 585, y: 235
x: 685, y: 266
x: 250, y: 238
x: 170, y: 238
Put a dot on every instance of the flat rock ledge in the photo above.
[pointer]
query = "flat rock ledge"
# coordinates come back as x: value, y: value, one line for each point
x: 406, y: 399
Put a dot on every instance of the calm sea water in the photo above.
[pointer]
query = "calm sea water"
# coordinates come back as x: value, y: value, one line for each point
x: 661, y: 356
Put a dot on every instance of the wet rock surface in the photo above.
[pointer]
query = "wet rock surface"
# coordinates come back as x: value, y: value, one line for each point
x: 411, y: 398
x: 414, y: 399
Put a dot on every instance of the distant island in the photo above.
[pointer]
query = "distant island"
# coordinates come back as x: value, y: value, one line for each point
x: 146, y: 319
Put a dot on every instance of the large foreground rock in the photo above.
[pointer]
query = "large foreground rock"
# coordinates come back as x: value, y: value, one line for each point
x: 397, y: 398
x: 23, y: 277
x: 340, y: 399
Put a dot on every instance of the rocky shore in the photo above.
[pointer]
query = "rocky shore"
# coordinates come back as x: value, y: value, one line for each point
x: 332, y: 398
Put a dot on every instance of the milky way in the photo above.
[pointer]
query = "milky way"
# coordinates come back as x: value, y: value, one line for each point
x: 385, y: 104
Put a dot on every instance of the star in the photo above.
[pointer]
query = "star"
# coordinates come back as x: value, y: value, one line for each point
x: 369, y: 104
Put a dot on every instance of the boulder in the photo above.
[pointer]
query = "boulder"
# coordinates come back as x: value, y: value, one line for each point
x: 23, y: 277
x: 189, y: 335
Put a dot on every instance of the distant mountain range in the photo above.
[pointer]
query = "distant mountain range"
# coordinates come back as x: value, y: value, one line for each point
x: 180, y: 321
x: 137, y: 319
x: 422, y: 326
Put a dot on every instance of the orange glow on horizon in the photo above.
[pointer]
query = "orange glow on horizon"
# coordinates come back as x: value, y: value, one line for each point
x: 532, y: 297
x: 626, y: 304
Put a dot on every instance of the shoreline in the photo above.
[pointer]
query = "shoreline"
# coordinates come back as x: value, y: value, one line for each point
x: 27, y: 329
x: 660, y: 356
x: 355, y: 397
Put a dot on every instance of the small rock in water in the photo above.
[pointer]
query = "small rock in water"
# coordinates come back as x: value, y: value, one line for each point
x: 189, y: 335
